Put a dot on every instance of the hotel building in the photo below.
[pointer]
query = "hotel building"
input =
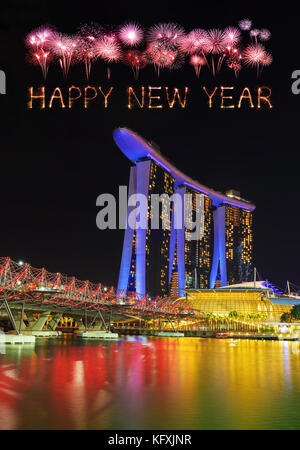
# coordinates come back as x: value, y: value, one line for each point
x: 165, y: 261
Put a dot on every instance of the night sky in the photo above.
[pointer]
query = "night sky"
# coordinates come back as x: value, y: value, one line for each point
x: 54, y: 163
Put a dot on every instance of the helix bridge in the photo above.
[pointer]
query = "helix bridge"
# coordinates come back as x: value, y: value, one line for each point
x: 25, y: 288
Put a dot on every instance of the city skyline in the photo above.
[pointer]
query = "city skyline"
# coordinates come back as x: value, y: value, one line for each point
x: 51, y: 204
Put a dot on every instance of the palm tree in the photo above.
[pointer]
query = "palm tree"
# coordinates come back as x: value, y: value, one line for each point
x: 210, y: 318
x: 233, y: 316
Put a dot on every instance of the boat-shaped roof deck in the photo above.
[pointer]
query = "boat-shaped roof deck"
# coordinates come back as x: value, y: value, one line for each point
x: 136, y: 149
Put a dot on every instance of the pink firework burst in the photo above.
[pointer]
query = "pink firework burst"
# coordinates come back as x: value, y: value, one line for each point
x: 86, y: 53
x: 136, y: 59
x: 216, y: 41
x: 264, y: 34
x: 88, y: 34
x: 131, y: 34
x: 64, y: 47
x: 232, y: 35
x: 216, y: 45
x: 195, y: 41
x: 161, y: 57
x: 108, y: 49
x: 245, y: 24
x: 40, y: 37
x: 39, y: 46
x: 267, y: 59
x: 254, y: 55
x: 235, y: 64
x: 197, y: 61
x: 255, y: 32
x: 167, y: 35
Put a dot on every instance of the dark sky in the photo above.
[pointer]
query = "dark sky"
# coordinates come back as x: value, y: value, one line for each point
x: 54, y: 163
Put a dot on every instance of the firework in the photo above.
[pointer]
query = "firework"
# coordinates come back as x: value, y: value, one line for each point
x: 40, y: 37
x: 39, y: 45
x: 216, y: 41
x: 267, y: 59
x: 136, y: 59
x: 161, y: 57
x: 254, y: 55
x: 254, y: 34
x: 64, y: 47
x: 216, y: 45
x: 197, y: 61
x: 42, y: 58
x: 87, y: 36
x: 245, y: 24
x: 166, y: 35
x: 131, y: 34
x: 232, y: 35
x: 196, y: 41
x: 167, y: 45
x: 108, y: 49
x: 234, y: 63
x: 264, y: 35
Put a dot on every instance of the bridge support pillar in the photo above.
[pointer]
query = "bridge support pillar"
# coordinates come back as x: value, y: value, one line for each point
x: 54, y: 321
x: 36, y: 327
x: 97, y: 335
x: 97, y: 329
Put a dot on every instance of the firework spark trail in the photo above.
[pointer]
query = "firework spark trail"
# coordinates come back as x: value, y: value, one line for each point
x: 87, y: 35
x: 136, y: 59
x: 254, y: 34
x: 216, y: 45
x: 42, y: 59
x: 197, y: 61
x: 64, y: 47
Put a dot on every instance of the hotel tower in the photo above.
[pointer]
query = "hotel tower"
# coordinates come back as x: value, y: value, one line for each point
x: 164, y: 261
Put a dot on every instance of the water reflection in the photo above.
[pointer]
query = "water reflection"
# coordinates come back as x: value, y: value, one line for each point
x: 171, y: 383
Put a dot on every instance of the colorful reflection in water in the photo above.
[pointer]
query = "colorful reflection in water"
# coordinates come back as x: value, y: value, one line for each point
x: 167, y: 383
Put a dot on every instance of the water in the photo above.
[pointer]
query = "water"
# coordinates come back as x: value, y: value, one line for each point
x: 167, y: 383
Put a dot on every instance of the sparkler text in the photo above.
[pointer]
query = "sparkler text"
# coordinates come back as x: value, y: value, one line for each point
x: 149, y: 97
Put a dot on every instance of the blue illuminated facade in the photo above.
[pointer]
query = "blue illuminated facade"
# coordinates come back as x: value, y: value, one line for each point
x: 165, y: 262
